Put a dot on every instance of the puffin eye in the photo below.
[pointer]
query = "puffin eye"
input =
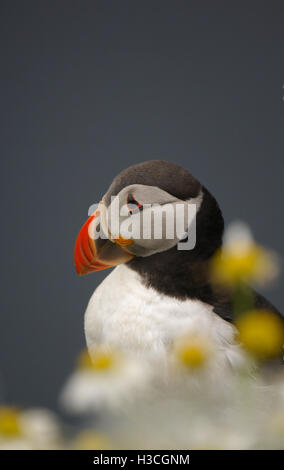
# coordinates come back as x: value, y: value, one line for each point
x: 133, y: 205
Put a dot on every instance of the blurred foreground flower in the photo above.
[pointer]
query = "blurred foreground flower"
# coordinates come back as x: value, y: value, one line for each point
x: 241, y: 259
x: 28, y: 429
x: 42, y: 428
x: 107, y: 380
x: 200, y: 359
x: 261, y: 332
x: 192, y: 352
x: 187, y: 418
x: 9, y: 421
x: 89, y: 439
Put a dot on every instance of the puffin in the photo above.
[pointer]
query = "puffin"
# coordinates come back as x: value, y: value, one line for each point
x: 157, y: 290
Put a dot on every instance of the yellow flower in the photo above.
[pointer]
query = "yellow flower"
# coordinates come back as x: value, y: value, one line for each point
x: 193, y: 356
x: 262, y: 333
x: 230, y: 267
x: 100, y: 360
x: 241, y: 259
x: 192, y: 353
x: 9, y: 422
x: 89, y: 440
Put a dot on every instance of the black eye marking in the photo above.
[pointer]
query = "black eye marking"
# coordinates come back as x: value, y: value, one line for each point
x: 133, y: 205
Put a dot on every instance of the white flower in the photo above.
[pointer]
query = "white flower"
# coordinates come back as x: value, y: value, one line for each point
x: 28, y: 429
x: 41, y: 427
x: 242, y: 259
x: 109, y: 381
x: 205, y: 360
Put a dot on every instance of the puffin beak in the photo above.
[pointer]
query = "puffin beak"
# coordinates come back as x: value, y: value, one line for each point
x: 93, y: 254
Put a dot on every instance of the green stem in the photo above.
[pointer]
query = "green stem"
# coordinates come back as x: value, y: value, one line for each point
x: 243, y: 299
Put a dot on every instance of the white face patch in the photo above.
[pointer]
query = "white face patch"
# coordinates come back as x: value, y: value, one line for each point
x: 152, y: 219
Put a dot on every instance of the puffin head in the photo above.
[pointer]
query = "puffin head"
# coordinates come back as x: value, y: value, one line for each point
x: 121, y: 229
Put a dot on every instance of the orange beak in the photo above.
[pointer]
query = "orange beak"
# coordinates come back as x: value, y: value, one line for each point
x: 93, y: 254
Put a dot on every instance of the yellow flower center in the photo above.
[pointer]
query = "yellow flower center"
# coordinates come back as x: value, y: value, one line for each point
x: 262, y: 333
x: 9, y: 422
x: 192, y: 355
x: 89, y: 440
x: 100, y: 360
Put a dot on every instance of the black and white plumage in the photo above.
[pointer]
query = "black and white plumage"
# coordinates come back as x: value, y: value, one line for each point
x: 157, y: 292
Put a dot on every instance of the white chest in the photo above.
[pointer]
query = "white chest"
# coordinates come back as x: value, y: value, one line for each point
x: 122, y: 312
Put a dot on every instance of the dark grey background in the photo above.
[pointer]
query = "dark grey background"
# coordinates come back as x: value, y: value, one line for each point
x: 90, y: 87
